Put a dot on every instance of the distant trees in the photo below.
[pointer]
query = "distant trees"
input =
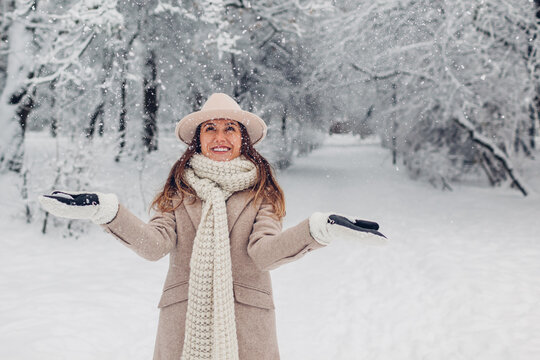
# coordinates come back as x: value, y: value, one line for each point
x: 425, y: 68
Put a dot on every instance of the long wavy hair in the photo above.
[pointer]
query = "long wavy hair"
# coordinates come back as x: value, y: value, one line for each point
x: 176, y: 185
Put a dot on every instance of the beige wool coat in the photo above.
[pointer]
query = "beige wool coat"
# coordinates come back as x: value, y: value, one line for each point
x: 258, y: 245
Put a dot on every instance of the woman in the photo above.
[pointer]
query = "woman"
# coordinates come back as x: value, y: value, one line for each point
x: 219, y: 216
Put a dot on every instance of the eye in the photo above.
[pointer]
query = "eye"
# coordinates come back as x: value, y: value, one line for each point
x: 209, y: 128
x: 230, y: 128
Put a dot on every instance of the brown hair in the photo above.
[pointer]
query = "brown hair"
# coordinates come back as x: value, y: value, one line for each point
x: 266, y: 186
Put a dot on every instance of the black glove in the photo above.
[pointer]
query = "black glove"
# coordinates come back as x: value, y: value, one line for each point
x: 358, y: 225
x: 73, y: 199
x: 325, y: 227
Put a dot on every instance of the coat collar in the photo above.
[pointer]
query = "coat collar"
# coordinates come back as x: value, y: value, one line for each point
x: 235, y: 204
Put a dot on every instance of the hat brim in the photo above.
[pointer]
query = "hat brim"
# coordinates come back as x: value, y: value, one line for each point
x: 256, y: 128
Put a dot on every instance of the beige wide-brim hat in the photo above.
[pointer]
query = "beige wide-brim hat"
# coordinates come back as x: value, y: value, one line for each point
x: 221, y: 106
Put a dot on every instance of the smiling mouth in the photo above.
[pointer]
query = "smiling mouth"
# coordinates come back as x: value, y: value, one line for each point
x: 221, y: 149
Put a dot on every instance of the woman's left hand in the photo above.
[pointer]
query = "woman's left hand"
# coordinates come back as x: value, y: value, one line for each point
x: 325, y: 227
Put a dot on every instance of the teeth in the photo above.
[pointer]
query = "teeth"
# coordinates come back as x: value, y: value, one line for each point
x: 220, y: 149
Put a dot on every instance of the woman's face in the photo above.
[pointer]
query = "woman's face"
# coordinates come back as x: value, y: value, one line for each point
x: 221, y: 139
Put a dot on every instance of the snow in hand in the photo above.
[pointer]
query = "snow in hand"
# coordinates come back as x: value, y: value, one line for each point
x: 460, y: 278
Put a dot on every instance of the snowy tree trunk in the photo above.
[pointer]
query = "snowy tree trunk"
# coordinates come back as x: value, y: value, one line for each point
x: 494, y: 151
x: 98, y: 115
x: 240, y: 84
x: 394, y: 124
x: 4, y: 28
x: 535, y: 118
x: 535, y: 108
x: 195, y: 96
x: 150, y: 103
x: 122, y: 118
x: 16, y: 100
x: 284, y: 160
x: 54, y: 118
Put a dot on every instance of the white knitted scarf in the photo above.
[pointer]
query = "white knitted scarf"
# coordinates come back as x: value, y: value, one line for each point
x: 210, y: 320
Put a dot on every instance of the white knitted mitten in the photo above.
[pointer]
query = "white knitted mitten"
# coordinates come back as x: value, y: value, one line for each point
x: 98, y: 207
x: 325, y: 227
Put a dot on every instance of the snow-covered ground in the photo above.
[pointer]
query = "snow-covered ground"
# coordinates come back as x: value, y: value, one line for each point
x: 460, y: 278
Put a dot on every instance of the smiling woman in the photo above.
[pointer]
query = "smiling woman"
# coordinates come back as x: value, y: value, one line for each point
x: 219, y: 217
x: 221, y: 139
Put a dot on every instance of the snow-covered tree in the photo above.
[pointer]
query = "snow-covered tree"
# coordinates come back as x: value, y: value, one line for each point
x: 418, y: 67
x: 44, y: 45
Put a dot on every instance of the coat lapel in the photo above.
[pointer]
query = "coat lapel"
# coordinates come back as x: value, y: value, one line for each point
x: 236, y: 203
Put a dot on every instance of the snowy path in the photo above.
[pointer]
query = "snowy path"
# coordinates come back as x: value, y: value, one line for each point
x: 459, y: 280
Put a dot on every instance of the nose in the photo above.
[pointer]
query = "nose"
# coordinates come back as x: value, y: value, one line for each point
x: 220, y: 136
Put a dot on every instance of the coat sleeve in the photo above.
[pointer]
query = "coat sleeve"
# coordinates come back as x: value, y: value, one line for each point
x: 151, y: 240
x: 270, y: 247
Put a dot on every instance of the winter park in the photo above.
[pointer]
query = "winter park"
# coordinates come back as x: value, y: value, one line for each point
x: 263, y: 180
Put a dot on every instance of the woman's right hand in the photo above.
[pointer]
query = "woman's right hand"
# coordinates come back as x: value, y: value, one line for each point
x: 98, y: 207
